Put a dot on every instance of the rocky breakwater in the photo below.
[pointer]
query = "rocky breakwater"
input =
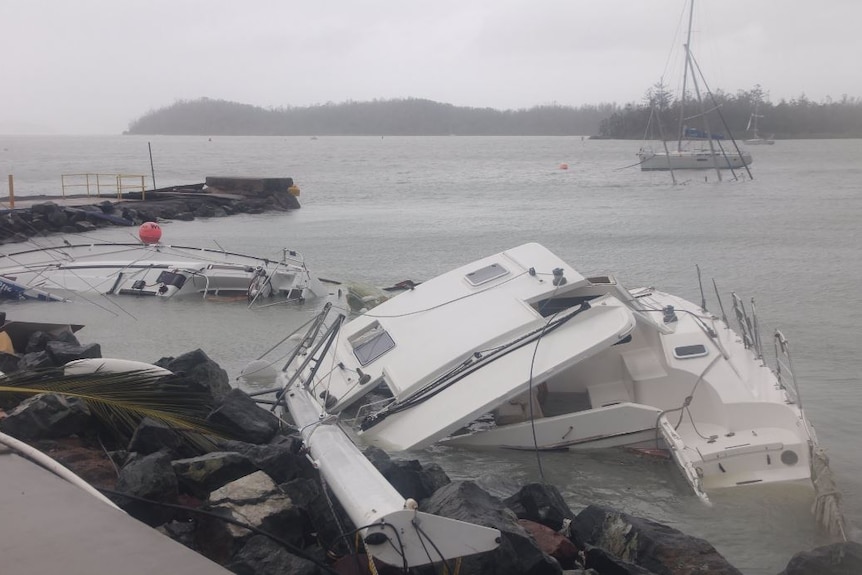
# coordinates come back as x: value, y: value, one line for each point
x: 218, y: 197
x: 249, y: 498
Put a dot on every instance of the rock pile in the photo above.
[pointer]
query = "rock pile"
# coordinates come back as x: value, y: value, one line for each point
x: 50, y: 218
x: 255, y: 503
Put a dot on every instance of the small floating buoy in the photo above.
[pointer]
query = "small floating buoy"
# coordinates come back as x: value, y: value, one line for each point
x: 293, y: 190
x: 564, y: 166
x: 150, y: 232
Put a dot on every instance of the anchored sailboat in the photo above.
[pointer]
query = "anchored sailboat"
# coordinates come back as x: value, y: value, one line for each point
x: 756, y: 139
x: 696, y: 147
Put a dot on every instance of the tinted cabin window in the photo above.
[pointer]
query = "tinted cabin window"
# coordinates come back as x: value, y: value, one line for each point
x: 372, y: 345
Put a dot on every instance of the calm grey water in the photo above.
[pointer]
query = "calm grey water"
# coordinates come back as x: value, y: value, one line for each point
x: 380, y: 210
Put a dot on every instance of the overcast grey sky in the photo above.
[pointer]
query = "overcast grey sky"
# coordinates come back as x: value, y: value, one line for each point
x: 93, y: 66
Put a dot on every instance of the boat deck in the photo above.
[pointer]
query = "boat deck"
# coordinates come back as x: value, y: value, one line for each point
x: 52, y: 526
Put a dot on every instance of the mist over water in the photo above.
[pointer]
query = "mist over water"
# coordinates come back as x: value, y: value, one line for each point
x: 379, y: 210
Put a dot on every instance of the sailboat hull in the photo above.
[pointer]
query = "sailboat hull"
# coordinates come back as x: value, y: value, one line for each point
x: 692, y: 160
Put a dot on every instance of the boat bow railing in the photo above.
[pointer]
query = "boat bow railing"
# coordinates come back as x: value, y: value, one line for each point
x: 748, y: 326
x: 784, y: 368
x: 309, y: 346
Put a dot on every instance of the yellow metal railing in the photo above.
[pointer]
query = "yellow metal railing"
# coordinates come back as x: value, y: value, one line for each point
x: 114, y: 183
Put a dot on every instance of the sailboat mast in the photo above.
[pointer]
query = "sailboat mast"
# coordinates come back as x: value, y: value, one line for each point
x: 685, y: 76
x: 704, y: 116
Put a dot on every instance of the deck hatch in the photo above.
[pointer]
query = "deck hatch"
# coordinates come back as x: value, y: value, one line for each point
x: 373, y: 342
x: 690, y: 351
x: 486, y: 274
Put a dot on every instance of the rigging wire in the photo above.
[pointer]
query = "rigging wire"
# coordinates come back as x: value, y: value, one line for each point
x: 536, y: 449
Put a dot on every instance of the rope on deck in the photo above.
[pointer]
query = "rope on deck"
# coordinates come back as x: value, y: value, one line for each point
x: 827, y: 502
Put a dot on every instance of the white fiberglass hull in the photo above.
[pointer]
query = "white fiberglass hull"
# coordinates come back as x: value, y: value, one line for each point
x: 519, y: 351
x: 692, y: 160
x: 157, y: 270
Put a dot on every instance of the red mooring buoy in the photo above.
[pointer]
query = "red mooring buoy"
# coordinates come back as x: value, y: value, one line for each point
x: 150, y: 232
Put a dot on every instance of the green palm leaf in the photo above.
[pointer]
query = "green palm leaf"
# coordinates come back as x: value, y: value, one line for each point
x: 121, y: 400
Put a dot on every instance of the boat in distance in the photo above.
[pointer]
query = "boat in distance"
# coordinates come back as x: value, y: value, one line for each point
x: 518, y: 350
x: 693, y: 145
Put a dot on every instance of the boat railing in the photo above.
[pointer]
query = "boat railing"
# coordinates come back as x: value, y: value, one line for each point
x: 306, y: 351
x: 748, y: 325
x: 112, y: 183
x: 784, y: 367
x: 292, y: 257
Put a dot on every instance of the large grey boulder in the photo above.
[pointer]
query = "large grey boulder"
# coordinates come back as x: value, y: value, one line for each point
x: 518, y: 552
x: 241, y: 417
x: 263, y: 556
x: 253, y: 500
x: 206, y: 473
x: 148, y: 477
x: 542, y: 503
x: 409, y: 477
x: 835, y: 559
x: 648, y: 544
x: 47, y: 415
x: 200, y: 372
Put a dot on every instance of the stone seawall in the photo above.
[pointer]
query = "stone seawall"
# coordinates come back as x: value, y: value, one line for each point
x: 45, y: 215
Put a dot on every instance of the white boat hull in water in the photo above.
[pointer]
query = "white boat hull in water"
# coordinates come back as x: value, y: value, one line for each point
x: 161, y: 271
x: 692, y: 160
x: 518, y: 350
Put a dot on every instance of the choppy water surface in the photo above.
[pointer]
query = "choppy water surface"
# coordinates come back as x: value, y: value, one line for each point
x: 380, y: 210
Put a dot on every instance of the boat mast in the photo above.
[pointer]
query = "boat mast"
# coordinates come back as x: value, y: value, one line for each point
x: 703, y: 113
x: 684, y: 79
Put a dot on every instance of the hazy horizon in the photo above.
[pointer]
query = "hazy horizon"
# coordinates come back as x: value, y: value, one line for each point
x: 93, y: 67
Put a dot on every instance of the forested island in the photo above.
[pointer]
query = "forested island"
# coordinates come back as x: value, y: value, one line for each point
x: 798, y: 118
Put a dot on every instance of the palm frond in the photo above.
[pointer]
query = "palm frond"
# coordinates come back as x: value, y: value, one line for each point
x: 121, y: 400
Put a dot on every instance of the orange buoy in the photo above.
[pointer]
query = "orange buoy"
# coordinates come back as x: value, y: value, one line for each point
x: 150, y: 232
x: 294, y: 190
x: 564, y: 166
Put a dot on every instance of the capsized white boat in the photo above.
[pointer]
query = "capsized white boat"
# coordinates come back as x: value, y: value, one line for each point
x: 159, y: 270
x: 519, y: 350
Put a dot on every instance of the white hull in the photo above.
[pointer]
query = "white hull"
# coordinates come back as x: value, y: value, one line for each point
x: 692, y: 160
x: 518, y: 350
x: 161, y: 271
x: 759, y: 142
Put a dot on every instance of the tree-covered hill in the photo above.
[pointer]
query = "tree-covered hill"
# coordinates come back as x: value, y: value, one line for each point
x: 402, y: 117
x: 798, y: 118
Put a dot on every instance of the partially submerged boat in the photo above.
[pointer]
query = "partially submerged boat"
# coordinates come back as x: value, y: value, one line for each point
x: 518, y: 350
x: 156, y: 270
x: 693, y: 145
